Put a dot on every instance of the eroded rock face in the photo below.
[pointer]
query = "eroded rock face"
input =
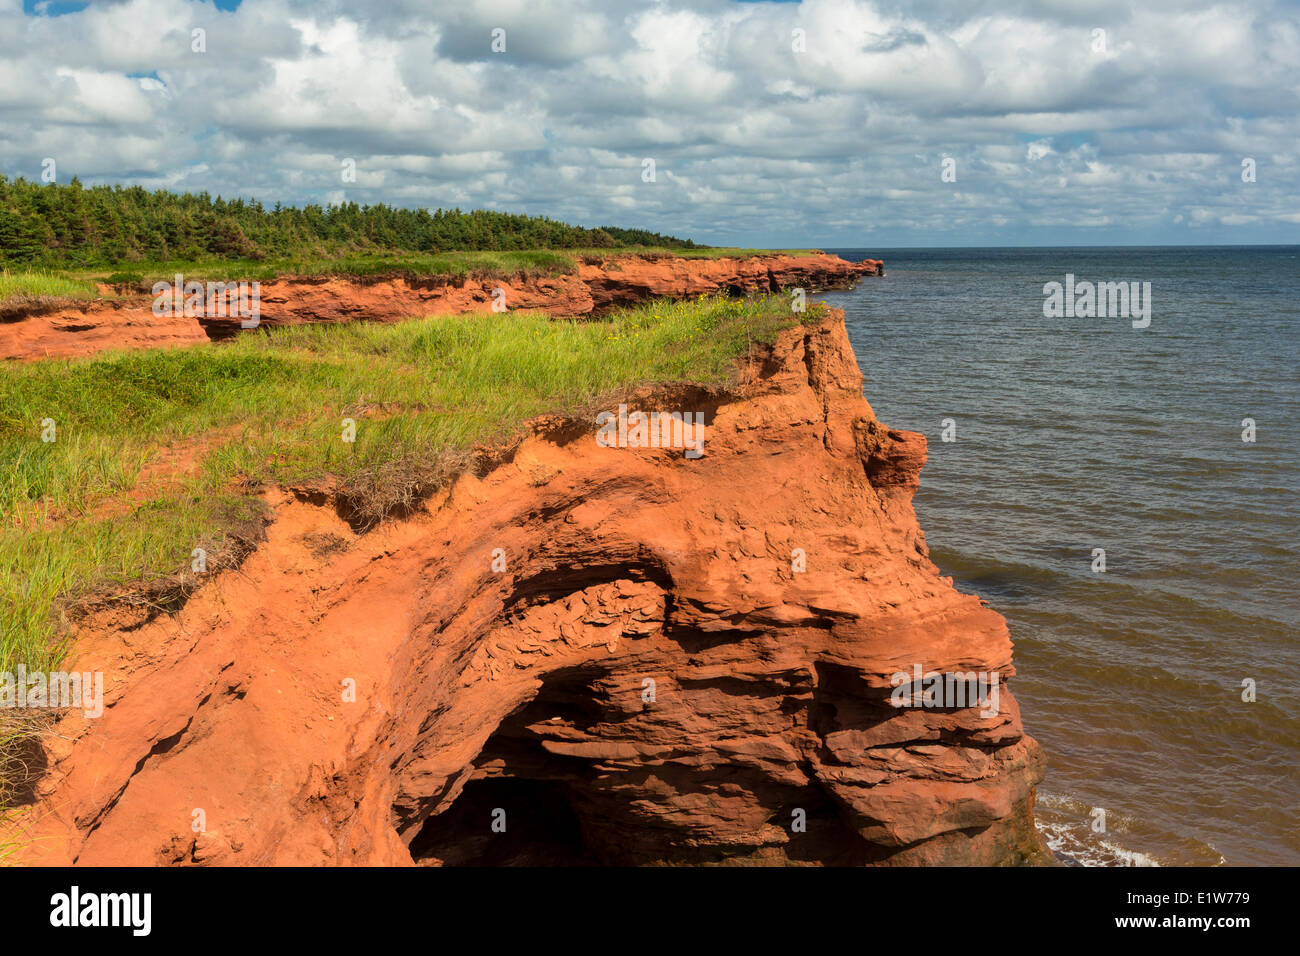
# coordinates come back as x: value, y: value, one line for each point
x: 129, y: 323
x: 611, y: 651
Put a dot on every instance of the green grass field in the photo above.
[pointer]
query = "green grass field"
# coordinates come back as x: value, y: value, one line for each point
x: 532, y: 261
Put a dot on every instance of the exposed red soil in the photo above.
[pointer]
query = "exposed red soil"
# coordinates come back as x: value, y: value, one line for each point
x: 525, y: 689
x: 129, y: 323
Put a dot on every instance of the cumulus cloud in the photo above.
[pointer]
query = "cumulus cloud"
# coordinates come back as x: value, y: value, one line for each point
x: 826, y: 122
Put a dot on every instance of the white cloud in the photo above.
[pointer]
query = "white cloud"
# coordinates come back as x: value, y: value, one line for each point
x: 756, y: 143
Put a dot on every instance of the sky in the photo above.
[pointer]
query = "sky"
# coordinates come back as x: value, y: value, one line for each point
x: 831, y: 123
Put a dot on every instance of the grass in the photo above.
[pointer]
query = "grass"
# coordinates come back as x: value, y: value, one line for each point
x: 43, y: 285
x: 732, y: 253
x: 529, y: 261
x: 90, y: 513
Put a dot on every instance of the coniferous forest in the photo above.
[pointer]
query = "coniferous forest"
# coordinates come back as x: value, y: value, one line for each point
x: 69, y: 226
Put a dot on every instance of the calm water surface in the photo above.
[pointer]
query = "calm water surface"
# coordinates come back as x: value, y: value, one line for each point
x: 1080, y: 433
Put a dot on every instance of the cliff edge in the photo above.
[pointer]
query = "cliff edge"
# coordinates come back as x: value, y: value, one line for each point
x: 573, y: 654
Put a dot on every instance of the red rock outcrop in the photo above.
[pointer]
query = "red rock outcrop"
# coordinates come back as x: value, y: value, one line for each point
x: 611, y: 653
x: 128, y: 322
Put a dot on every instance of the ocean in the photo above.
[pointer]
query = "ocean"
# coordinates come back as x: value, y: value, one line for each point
x: 1074, y: 433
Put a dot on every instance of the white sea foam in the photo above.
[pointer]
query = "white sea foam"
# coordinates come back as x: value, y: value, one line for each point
x: 1066, y: 826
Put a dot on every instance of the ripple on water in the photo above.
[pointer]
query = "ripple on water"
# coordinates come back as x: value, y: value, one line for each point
x: 1076, y: 434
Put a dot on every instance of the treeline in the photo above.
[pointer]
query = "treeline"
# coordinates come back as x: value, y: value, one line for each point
x: 62, y: 226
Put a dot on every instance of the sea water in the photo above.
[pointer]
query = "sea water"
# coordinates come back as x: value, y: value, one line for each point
x: 1169, y: 451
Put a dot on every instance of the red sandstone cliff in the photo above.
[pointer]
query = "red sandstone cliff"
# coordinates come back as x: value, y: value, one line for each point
x: 647, y: 680
x: 128, y: 322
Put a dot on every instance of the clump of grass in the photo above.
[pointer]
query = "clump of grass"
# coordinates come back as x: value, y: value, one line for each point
x: 707, y: 252
x: 38, y: 285
x: 413, y: 265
